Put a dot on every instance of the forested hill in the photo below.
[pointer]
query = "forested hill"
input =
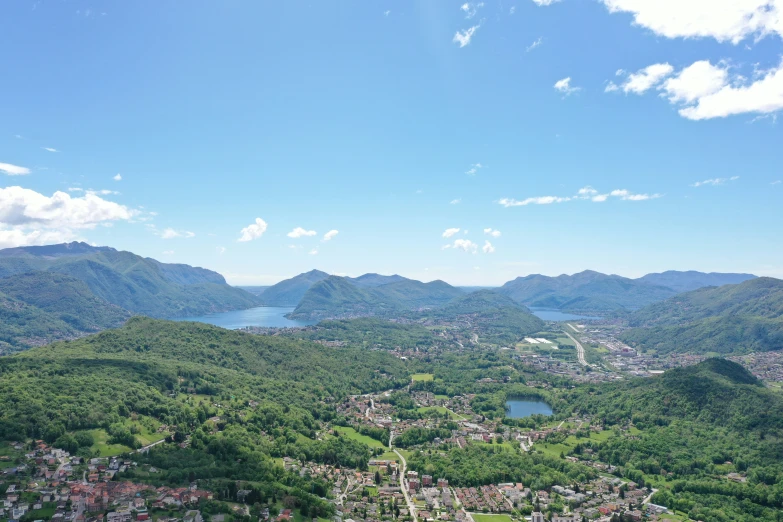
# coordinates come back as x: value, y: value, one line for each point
x: 740, y: 318
x: 41, y: 307
x: 693, y: 421
x: 337, y: 297
x: 84, y: 383
x: 585, y: 291
x: 692, y: 280
x: 139, y: 285
x: 290, y: 291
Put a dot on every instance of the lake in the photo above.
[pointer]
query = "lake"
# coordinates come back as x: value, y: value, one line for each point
x: 520, y: 408
x: 557, y: 315
x: 260, y: 316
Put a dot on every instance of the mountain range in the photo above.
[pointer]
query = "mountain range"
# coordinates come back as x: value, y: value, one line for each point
x: 740, y: 318
x: 74, y: 288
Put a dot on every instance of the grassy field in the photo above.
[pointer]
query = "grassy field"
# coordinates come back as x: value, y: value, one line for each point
x: 490, y: 518
x: 567, y: 445
x: 102, y: 444
x: 441, y: 410
x: 389, y: 455
x: 353, y: 434
x: 422, y: 377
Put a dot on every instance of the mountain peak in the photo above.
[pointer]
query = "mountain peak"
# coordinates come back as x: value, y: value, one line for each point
x: 74, y: 248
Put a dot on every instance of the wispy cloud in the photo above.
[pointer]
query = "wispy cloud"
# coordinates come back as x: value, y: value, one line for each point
x: 252, y: 231
x: 330, y: 235
x: 545, y: 2
x: 470, y: 9
x: 102, y: 192
x: 585, y: 193
x: 491, y: 232
x: 776, y: 182
x: 564, y: 86
x: 386, y: 13
x: 463, y: 37
x: 301, y: 232
x: 455, y: 201
x: 13, y: 170
x: 474, y: 168
x: 541, y: 200
x: 714, y: 181
x: 313, y: 252
x: 220, y: 250
x: 450, y: 232
x: 170, y: 233
x: 50, y: 149
x: 512, y: 10
x: 535, y: 44
x: 466, y: 245
x: 168, y: 252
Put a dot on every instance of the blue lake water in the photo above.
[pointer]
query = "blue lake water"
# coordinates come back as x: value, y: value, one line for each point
x: 557, y: 315
x: 520, y: 408
x: 259, y: 316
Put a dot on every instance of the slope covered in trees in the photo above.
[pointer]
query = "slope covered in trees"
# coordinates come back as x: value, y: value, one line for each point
x: 139, y: 285
x: 739, y: 318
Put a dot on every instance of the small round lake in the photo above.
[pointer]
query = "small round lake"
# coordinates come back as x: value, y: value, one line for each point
x: 521, y: 408
x: 270, y: 316
x: 557, y: 315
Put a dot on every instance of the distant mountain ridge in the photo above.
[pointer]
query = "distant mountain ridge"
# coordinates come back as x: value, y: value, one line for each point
x: 692, y: 280
x: 741, y: 318
x: 290, y: 291
x: 136, y: 284
x: 339, y: 297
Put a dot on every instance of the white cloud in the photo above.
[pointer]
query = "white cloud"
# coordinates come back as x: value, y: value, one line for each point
x: 75, y: 189
x: 313, y: 252
x: 102, y: 192
x: 475, y: 167
x: 628, y: 196
x: 450, y: 232
x: 545, y: 2
x: 723, y: 20
x: 493, y: 233
x: 534, y: 44
x: 644, y: 79
x: 714, y: 181
x: 117, y: 177
x: 470, y: 9
x: 30, y: 218
x: 585, y: 193
x: 564, y: 86
x: 220, y: 250
x: 50, y: 149
x: 466, y: 245
x: 611, y: 87
x: 168, y: 252
x: 330, y: 235
x: 463, y: 37
x: 300, y: 232
x: 455, y: 201
x: 253, y: 231
x: 488, y: 248
x: 706, y: 91
x: 170, y: 233
x: 541, y: 200
x: 13, y: 170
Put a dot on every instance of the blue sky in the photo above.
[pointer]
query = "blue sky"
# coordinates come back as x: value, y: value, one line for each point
x: 625, y: 136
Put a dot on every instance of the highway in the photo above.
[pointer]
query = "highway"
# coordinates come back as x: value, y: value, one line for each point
x: 580, y: 351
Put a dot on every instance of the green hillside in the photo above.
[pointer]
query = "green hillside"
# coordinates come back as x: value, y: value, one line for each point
x: 741, y: 318
x: 496, y: 318
x: 290, y: 291
x: 139, y: 285
x: 41, y: 307
x: 338, y: 297
x: 586, y: 291
x: 692, y: 280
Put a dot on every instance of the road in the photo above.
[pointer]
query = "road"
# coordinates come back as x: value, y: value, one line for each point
x: 580, y: 351
x: 403, y: 466
x: 572, y: 327
x: 146, y: 448
x: 647, y: 500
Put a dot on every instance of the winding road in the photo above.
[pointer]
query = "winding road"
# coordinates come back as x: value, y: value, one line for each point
x: 580, y: 351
